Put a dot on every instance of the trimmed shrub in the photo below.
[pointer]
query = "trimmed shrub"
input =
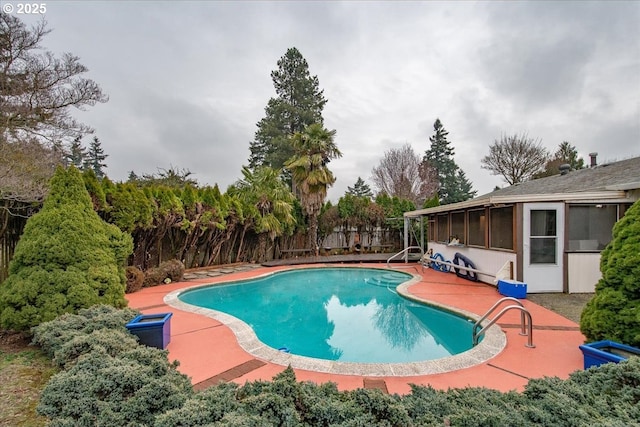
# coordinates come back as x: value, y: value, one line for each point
x: 54, y: 335
x: 112, y: 342
x: 167, y: 272
x: 204, y: 408
x: 614, y: 311
x: 67, y: 259
x: 102, y: 390
x: 135, y: 279
x: 172, y: 270
x: 114, y: 381
x: 608, y: 395
x: 109, y: 379
x: 153, y: 277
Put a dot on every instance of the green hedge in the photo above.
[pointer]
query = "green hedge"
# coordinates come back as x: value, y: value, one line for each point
x: 111, y: 380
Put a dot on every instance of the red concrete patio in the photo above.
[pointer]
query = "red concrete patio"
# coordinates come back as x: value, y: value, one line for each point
x: 209, y: 352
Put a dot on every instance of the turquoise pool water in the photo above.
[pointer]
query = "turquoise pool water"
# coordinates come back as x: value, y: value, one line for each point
x: 344, y: 314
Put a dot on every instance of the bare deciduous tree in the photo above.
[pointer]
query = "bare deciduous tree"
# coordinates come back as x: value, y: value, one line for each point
x: 517, y: 158
x: 25, y: 170
x: 37, y: 89
x: 401, y: 173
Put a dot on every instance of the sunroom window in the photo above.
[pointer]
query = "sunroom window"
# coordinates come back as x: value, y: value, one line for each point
x: 590, y: 226
x: 501, y: 228
x: 477, y: 223
x: 443, y: 228
x: 457, y: 226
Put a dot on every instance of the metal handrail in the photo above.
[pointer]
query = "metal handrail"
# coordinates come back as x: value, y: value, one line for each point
x: 494, y: 306
x: 404, y: 251
x: 526, y: 326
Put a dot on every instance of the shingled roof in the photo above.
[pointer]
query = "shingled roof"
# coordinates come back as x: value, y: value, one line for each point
x: 608, y: 180
x: 622, y: 175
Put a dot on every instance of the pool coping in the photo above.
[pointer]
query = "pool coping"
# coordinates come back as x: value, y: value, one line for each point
x: 492, y: 344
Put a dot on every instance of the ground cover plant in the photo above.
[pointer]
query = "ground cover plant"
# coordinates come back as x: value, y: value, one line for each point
x: 109, y: 379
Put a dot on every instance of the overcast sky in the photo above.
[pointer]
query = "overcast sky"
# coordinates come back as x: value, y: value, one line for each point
x: 189, y: 80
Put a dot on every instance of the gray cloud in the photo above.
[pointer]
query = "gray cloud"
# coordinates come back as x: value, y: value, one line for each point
x: 189, y: 80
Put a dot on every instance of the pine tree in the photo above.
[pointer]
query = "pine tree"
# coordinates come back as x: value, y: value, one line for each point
x: 77, y: 154
x: 566, y: 154
x: 454, y: 185
x: 360, y: 189
x: 95, y: 158
x: 298, y: 103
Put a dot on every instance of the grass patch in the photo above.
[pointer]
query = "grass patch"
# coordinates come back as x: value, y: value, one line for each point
x: 23, y: 375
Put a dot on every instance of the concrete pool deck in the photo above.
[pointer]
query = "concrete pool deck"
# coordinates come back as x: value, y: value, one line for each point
x: 209, y: 351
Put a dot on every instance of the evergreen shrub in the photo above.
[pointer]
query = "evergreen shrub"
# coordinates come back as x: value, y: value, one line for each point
x: 166, y: 272
x: 109, y: 379
x: 57, y: 336
x: 135, y: 279
x: 131, y: 384
x: 614, y: 311
x: 103, y: 390
x: 67, y: 259
x: 606, y: 395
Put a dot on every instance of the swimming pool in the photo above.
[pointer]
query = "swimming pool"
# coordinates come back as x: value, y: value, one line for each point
x: 340, y: 314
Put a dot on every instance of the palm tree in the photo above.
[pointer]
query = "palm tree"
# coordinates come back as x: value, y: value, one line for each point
x: 268, y: 202
x: 314, y: 148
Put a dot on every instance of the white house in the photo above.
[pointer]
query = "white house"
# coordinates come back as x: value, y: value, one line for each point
x: 551, y: 229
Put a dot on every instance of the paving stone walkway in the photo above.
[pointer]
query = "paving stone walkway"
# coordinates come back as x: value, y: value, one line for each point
x: 216, y: 271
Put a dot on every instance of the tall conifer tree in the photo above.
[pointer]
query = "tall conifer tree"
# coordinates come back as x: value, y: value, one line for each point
x: 298, y: 103
x: 454, y: 185
x: 360, y: 189
x: 96, y: 157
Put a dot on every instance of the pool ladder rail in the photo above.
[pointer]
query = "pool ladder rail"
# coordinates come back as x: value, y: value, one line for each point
x: 405, y: 252
x: 526, y: 323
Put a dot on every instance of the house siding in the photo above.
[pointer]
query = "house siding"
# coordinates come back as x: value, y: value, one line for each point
x: 583, y: 271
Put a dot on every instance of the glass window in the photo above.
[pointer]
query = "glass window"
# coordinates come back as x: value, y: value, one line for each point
x: 443, y: 228
x: 457, y: 226
x: 590, y: 226
x: 501, y: 228
x: 542, y: 237
x: 477, y: 224
x: 431, y: 230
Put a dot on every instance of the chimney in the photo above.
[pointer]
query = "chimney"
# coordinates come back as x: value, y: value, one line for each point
x: 564, y: 169
x: 593, y: 159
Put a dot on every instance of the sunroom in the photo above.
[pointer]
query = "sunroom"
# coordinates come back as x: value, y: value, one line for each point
x: 550, y: 231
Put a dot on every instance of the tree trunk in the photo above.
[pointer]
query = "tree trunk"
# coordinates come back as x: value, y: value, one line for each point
x: 313, y: 233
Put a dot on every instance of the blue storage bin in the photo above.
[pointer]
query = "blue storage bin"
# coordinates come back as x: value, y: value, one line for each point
x: 153, y: 330
x: 599, y: 352
x: 512, y: 288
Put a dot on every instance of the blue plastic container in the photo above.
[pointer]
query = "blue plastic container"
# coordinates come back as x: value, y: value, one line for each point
x: 153, y: 330
x: 512, y: 288
x: 599, y: 352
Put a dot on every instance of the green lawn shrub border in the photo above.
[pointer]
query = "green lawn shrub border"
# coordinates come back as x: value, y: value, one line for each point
x: 110, y: 379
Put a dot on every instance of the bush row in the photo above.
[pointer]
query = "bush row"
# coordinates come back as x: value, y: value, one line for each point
x: 111, y: 380
x: 166, y: 272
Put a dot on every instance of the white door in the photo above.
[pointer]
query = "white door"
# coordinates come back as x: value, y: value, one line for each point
x: 543, y: 244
